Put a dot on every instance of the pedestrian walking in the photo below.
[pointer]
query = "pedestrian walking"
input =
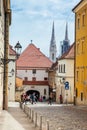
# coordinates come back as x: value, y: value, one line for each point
x: 32, y: 98
x: 50, y: 100
x: 61, y: 99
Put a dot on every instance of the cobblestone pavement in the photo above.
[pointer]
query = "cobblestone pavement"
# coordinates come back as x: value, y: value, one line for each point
x: 63, y: 117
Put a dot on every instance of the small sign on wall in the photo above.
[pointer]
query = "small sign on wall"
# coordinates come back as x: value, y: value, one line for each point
x: 32, y: 86
x: 67, y: 85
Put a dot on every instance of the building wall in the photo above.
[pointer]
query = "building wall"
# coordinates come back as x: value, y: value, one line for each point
x: 40, y: 75
x: 62, y: 77
x: 81, y: 54
x: 11, y: 79
x: 1, y: 51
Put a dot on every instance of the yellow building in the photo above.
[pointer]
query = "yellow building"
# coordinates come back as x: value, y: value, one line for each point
x: 80, y: 11
x: 19, y: 89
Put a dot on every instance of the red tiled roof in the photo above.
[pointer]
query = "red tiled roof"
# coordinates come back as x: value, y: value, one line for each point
x: 11, y: 51
x: 32, y: 57
x: 69, y: 54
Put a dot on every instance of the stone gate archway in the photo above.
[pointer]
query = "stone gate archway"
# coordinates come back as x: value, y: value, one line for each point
x: 37, y: 93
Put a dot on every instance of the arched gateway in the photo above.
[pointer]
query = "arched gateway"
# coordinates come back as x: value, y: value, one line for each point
x: 37, y: 93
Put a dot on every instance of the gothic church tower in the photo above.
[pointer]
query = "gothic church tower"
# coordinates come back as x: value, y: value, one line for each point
x: 66, y: 42
x: 53, y: 48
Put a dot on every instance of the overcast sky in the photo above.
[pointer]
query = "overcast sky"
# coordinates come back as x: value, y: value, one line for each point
x: 33, y: 19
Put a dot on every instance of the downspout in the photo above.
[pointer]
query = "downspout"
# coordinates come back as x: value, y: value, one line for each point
x: 75, y: 65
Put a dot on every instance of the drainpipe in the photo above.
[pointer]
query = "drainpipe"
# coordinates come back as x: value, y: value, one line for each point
x: 75, y: 65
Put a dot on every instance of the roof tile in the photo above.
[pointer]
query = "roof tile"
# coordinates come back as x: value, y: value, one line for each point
x: 32, y: 57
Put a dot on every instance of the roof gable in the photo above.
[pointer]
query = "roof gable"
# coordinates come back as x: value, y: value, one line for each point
x: 32, y: 57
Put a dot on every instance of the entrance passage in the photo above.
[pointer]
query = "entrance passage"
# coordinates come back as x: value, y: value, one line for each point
x: 37, y: 93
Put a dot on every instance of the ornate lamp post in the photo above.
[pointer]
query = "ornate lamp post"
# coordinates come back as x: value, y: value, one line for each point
x: 18, y: 49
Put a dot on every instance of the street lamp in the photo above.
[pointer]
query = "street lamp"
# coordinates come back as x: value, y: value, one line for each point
x: 18, y: 49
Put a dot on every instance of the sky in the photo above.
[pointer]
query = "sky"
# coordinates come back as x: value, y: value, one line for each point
x: 33, y: 20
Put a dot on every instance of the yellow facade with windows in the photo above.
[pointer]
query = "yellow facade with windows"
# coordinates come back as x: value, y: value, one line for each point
x: 80, y: 11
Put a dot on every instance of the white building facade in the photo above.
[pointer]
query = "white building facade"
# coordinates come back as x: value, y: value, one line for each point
x: 32, y: 68
x: 65, y: 75
x: 11, y: 75
x: 1, y: 51
x: 36, y: 82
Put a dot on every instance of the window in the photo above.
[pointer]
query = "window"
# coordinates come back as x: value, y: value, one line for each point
x: 34, y: 71
x: 45, y: 78
x: 82, y: 46
x: 77, y: 74
x: 78, y: 48
x: 78, y: 23
x: 33, y: 78
x: 45, y: 91
x: 82, y: 75
x: 64, y: 68
x: 83, y: 19
x: 81, y: 96
x: 59, y: 68
x: 26, y: 78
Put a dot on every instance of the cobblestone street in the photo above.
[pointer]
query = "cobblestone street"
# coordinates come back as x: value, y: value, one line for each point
x: 63, y: 117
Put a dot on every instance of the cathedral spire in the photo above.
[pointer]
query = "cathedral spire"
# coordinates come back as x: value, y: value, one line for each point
x: 53, y: 48
x: 66, y: 43
x: 66, y: 32
x: 53, y: 35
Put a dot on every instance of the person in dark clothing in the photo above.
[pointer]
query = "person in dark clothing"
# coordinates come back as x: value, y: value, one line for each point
x: 61, y: 99
x: 50, y: 101
x: 32, y: 98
